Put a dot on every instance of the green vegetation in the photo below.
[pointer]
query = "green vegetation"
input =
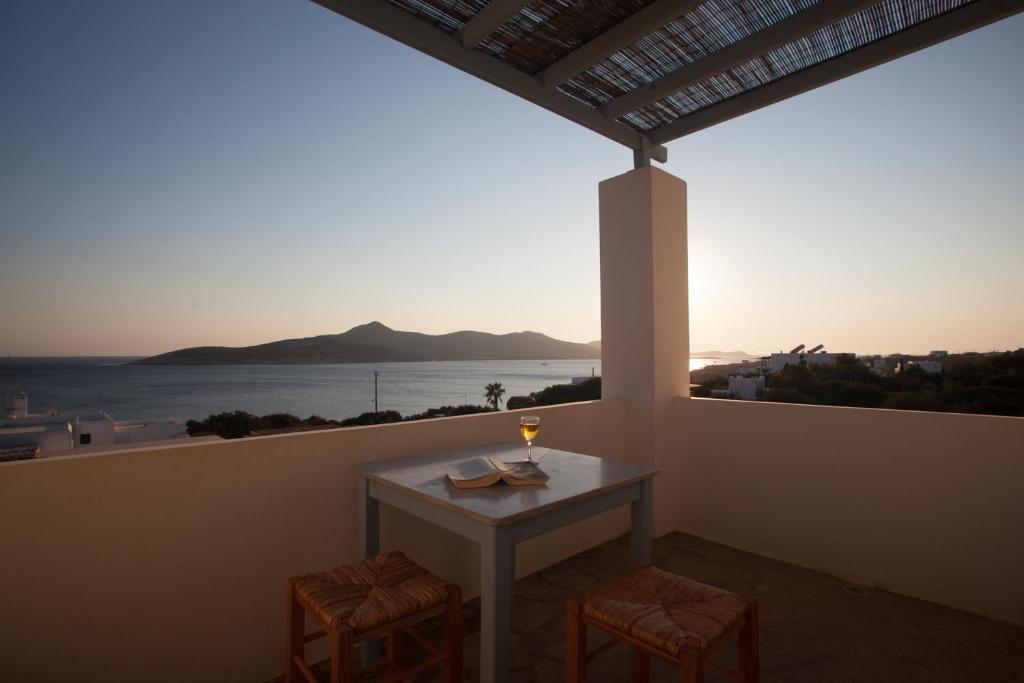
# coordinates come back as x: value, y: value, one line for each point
x: 494, y: 393
x: 991, y: 384
x: 240, y: 424
x: 589, y: 390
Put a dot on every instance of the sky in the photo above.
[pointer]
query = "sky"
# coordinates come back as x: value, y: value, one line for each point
x: 230, y: 173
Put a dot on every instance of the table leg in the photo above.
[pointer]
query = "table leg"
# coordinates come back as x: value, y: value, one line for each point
x: 512, y: 576
x: 497, y: 567
x: 641, y: 517
x: 369, y: 521
x: 369, y: 545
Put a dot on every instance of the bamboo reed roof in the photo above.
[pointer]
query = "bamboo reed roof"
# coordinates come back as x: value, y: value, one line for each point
x: 644, y: 72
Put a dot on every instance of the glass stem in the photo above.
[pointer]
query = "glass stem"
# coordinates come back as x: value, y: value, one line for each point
x: 529, y: 451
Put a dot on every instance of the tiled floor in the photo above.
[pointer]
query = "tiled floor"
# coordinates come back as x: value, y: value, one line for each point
x: 813, y: 630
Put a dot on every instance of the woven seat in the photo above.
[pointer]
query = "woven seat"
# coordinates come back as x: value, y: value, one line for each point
x: 668, y: 612
x: 376, y: 601
x: 370, y: 593
x: 665, y: 616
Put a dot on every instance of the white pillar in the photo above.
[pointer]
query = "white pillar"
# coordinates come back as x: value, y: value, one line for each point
x: 645, y: 331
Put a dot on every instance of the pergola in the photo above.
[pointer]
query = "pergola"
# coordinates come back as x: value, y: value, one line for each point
x: 646, y: 72
x: 643, y: 73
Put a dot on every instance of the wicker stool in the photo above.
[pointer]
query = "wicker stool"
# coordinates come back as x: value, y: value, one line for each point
x: 667, y: 616
x: 382, y: 597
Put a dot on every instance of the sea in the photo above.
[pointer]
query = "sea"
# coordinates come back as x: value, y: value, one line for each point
x: 132, y: 392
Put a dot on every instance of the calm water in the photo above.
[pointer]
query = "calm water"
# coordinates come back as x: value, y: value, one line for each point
x: 129, y: 392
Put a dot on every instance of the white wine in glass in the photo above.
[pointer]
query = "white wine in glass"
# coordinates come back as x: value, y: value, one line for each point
x: 529, y: 427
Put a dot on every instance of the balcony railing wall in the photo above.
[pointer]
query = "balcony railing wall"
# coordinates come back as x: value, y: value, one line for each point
x: 924, y: 504
x: 168, y: 563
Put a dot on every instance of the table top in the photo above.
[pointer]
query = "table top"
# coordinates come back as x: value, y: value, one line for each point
x: 572, y: 477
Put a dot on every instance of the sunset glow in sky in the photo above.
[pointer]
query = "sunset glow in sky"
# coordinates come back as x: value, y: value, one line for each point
x: 196, y: 173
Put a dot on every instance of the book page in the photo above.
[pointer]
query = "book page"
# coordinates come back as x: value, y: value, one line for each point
x: 477, y: 468
x: 529, y: 471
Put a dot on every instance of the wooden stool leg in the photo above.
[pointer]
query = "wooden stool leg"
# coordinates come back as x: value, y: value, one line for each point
x: 641, y: 666
x: 295, y: 625
x: 453, y: 636
x: 343, y: 668
x: 748, y: 645
x: 575, y: 644
x: 396, y: 653
x: 690, y: 670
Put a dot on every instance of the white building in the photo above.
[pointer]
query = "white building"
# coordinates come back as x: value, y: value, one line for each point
x: 746, y: 388
x: 19, y: 406
x: 585, y: 378
x: 45, y: 437
x: 51, y: 433
x: 881, y: 367
x: 932, y: 367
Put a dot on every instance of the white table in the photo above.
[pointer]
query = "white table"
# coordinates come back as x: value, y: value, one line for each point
x: 500, y: 516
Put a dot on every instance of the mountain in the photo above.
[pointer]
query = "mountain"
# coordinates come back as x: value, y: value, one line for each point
x: 376, y: 343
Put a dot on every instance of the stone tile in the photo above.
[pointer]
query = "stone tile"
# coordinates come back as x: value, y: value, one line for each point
x: 812, y: 630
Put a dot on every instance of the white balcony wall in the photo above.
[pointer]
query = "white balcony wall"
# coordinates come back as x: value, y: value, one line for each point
x: 924, y: 504
x: 169, y: 563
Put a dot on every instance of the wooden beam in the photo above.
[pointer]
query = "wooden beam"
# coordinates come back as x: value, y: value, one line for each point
x: 936, y: 30
x: 483, y: 23
x: 622, y: 35
x: 409, y: 30
x: 740, y: 52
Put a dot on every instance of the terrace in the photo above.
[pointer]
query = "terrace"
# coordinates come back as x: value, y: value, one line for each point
x: 820, y: 628
x: 169, y: 562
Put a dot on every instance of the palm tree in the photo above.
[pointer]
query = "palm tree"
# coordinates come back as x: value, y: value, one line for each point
x: 494, y: 393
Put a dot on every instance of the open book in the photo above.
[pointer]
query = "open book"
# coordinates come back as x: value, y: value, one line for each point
x: 481, y: 472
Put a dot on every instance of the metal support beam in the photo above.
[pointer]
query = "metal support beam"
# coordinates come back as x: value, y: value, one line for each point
x: 943, y: 27
x: 622, y: 35
x: 647, y: 150
x: 417, y: 34
x: 740, y: 52
x: 486, y: 20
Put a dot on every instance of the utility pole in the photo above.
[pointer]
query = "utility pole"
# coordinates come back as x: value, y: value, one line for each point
x: 375, y: 392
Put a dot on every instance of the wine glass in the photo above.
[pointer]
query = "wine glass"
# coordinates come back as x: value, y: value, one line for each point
x: 529, y: 427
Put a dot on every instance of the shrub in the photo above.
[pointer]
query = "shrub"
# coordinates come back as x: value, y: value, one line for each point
x: 1007, y: 381
x: 280, y: 421
x: 517, y: 402
x: 372, y: 418
x: 225, y: 425
x: 450, y: 411
x: 783, y: 395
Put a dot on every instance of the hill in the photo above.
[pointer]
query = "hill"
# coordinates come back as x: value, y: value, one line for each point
x: 376, y: 343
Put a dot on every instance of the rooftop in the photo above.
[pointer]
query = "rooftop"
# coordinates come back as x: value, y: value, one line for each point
x: 59, y: 418
x: 814, y: 627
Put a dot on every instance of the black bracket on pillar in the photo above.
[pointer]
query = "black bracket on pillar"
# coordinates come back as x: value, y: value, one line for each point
x: 648, y: 150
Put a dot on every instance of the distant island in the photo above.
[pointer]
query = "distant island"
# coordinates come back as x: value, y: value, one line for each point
x: 377, y: 343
